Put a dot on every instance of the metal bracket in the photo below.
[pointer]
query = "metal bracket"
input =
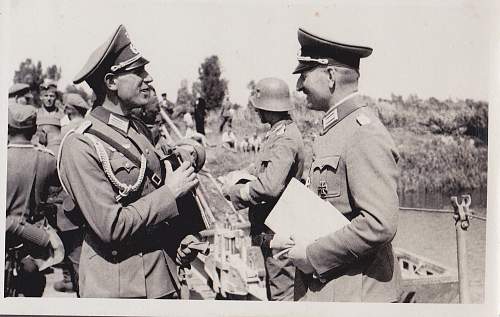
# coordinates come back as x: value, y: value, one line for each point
x: 461, y: 210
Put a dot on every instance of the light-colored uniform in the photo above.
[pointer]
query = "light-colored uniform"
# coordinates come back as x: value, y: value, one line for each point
x: 128, y: 246
x: 281, y: 157
x: 354, y: 168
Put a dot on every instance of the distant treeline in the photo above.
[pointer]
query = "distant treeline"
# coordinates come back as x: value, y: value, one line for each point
x: 442, y: 144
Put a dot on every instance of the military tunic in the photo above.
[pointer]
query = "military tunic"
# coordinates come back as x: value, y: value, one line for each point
x: 28, y: 179
x: 281, y: 157
x: 354, y: 168
x: 30, y: 172
x: 125, y: 252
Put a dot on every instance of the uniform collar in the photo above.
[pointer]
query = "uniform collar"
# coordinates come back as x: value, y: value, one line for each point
x: 18, y: 144
x: 340, y: 110
x: 115, y: 120
x: 278, y: 126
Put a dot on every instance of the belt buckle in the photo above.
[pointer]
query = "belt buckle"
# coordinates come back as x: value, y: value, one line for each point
x: 156, y: 179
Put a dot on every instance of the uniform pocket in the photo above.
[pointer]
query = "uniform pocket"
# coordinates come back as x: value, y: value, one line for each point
x: 325, y: 178
x: 119, y: 163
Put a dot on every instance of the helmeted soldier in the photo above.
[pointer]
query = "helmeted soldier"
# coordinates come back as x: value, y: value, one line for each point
x: 117, y: 180
x: 280, y: 158
x: 30, y: 172
x: 354, y: 168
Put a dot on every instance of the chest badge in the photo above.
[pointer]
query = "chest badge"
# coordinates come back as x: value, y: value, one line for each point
x: 322, y: 189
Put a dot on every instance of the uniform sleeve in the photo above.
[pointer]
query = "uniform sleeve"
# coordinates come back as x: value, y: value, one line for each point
x: 52, y: 171
x: 372, y: 182
x: 89, y: 187
x: 271, y: 177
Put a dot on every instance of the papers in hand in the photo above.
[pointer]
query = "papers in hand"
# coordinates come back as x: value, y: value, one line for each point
x: 300, y: 212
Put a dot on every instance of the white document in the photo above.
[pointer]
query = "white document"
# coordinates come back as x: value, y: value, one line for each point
x: 300, y: 212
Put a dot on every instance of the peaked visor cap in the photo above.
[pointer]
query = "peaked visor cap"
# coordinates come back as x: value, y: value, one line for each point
x: 21, y: 116
x: 319, y: 50
x: 116, y: 55
x: 272, y: 94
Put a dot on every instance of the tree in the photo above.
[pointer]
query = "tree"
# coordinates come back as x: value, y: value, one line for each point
x: 33, y: 75
x: 213, y: 87
x: 53, y: 72
x: 184, y: 97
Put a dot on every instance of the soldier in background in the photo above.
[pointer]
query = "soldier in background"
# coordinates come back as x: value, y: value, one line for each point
x: 21, y: 94
x: 226, y: 114
x: 280, y: 159
x: 199, y: 115
x: 75, y: 108
x: 167, y: 104
x: 49, y: 118
x: 30, y: 172
x: 355, y: 169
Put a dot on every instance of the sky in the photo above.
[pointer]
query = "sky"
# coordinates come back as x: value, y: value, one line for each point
x: 429, y: 48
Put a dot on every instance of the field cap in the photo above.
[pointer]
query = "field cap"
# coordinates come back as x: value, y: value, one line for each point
x: 21, y: 116
x: 18, y: 89
x: 75, y: 100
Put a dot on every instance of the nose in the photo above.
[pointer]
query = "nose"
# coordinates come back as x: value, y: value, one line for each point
x: 148, y: 79
x: 300, y: 83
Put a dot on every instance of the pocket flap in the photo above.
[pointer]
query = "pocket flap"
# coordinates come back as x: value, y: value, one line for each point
x: 322, y: 162
x: 117, y: 163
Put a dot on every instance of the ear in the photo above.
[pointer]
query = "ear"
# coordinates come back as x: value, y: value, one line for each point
x: 331, y: 76
x: 110, y: 81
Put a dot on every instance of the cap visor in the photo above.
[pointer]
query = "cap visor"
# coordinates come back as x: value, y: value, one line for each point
x: 302, y: 67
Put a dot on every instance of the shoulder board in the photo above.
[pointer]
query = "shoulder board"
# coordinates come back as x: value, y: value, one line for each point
x: 45, y: 150
x: 281, y: 129
x: 84, y: 126
x: 363, y: 119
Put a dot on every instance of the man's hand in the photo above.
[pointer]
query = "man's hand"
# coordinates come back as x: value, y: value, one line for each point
x: 186, y: 255
x: 182, y: 180
x: 299, y: 258
x: 281, y: 242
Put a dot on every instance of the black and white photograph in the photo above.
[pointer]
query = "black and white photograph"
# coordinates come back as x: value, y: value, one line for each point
x: 209, y: 156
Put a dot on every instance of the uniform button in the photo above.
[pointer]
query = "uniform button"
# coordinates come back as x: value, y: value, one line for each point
x: 147, y: 151
x: 114, y: 253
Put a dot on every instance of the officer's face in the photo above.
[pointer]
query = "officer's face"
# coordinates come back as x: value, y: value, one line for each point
x: 315, y: 84
x: 48, y: 98
x: 132, y: 88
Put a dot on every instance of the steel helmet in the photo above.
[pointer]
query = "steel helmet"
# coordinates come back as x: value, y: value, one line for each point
x: 272, y: 94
